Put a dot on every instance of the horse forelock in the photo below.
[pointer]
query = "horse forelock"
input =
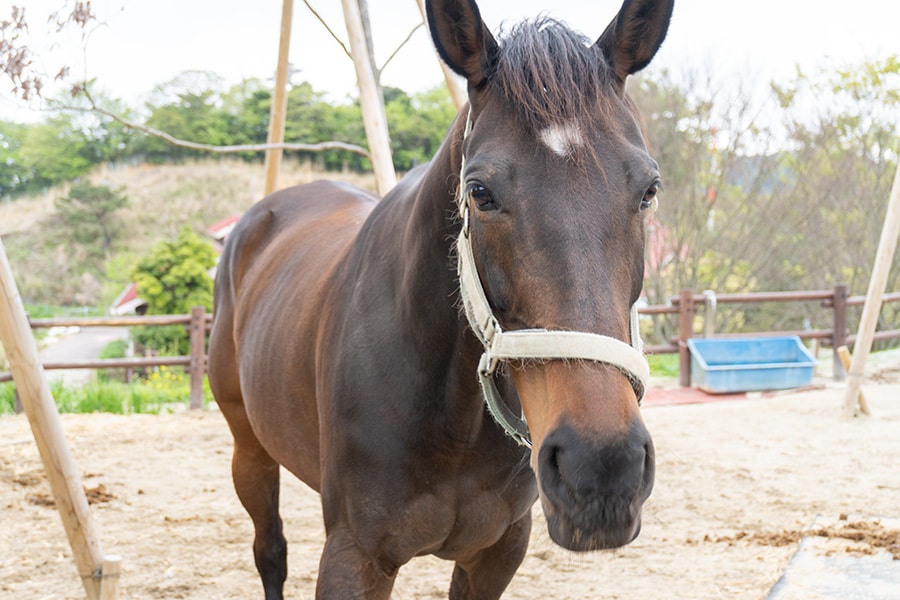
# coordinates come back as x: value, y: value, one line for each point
x: 554, y: 76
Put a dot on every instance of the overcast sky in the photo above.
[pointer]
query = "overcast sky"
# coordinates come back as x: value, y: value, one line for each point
x: 142, y: 43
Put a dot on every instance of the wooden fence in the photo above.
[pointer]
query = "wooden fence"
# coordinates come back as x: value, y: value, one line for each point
x: 687, y: 305
x: 197, y: 324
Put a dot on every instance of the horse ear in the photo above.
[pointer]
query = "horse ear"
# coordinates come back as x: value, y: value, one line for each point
x: 635, y: 34
x: 462, y: 39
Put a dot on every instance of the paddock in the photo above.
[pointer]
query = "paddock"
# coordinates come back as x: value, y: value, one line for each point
x: 738, y: 481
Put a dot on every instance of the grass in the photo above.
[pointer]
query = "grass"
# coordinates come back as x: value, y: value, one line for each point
x: 165, y: 390
x: 663, y: 365
x: 168, y: 390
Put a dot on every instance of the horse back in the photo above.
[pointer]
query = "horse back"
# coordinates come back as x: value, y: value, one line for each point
x: 271, y: 294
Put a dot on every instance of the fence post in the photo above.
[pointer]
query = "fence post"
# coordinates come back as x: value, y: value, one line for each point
x: 685, y: 331
x: 709, y: 313
x: 839, y: 331
x: 198, y: 355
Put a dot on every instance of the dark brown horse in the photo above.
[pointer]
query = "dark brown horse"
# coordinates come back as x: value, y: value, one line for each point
x: 344, y: 349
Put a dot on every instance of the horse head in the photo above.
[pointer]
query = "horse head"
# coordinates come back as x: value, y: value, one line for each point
x: 555, y: 183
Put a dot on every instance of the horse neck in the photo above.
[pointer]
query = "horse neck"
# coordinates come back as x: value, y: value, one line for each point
x: 427, y: 241
x: 421, y: 239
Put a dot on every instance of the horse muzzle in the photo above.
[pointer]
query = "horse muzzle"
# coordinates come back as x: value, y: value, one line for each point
x: 592, y: 492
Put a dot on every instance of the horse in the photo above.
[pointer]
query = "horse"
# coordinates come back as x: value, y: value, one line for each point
x: 435, y: 362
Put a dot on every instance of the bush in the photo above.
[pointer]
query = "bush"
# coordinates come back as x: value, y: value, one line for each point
x: 173, y: 279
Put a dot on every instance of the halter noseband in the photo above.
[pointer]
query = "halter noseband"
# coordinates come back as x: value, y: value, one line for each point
x: 531, y: 344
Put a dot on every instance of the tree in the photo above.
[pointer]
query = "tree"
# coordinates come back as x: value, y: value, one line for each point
x: 173, y: 278
x: 845, y: 133
x: 88, y: 212
x: 792, y: 202
x: 703, y: 235
x: 186, y: 107
x: 418, y: 124
x: 14, y: 174
x: 54, y: 151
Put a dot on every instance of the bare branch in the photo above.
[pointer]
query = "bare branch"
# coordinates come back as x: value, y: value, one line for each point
x: 400, y: 47
x: 320, y: 147
x: 324, y: 24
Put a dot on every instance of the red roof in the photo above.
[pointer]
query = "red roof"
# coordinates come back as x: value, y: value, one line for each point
x: 127, y: 302
x: 221, y: 229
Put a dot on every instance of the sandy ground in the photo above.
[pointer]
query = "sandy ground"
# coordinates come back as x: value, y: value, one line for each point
x: 737, y: 481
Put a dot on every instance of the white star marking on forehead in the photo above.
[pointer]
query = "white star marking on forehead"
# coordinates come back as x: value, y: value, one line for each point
x: 562, y: 138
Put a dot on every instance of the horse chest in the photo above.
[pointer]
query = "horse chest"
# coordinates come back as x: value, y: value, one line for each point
x: 451, y: 518
x: 484, y: 515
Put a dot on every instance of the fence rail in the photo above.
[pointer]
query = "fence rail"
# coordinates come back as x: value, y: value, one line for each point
x: 686, y: 305
x: 197, y: 324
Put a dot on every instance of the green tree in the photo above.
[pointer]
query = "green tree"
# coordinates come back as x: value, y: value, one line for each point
x: 88, y: 212
x: 311, y: 119
x: 418, y: 124
x: 247, y: 106
x: 54, y: 151
x: 193, y: 117
x: 173, y: 278
x: 14, y: 174
x: 188, y: 107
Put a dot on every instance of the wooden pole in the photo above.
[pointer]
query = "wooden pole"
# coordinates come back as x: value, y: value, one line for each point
x: 112, y: 568
x: 374, y: 119
x: 843, y: 354
x: 279, y: 98
x: 65, y: 483
x: 198, y: 355
x: 839, y: 329
x: 457, y: 94
x: 887, y: 245
x: 685, y: 332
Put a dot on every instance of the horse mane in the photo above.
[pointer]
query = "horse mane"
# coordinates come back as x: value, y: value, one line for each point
x: 551, y: 73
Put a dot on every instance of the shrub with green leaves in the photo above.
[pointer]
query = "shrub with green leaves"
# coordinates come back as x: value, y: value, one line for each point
x: 172, y: 279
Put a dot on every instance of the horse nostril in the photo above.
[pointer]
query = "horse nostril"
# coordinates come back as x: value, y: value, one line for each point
x: 552, y: 473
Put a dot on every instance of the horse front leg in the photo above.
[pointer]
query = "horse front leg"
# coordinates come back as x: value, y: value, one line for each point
x: 347, y: 573
x: 487, y: 573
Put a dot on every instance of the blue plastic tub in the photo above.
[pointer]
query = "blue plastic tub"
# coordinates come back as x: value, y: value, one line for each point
x: 723, y: 365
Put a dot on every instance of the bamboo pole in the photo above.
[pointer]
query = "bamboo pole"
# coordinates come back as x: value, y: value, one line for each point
x: 887, y: 245
x: 374, y: 119
x: 65, y: 483
x: 450, y: 78
x: 279, y: 99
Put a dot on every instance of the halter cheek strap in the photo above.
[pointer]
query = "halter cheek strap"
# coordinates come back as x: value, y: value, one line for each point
x: 531, y: 344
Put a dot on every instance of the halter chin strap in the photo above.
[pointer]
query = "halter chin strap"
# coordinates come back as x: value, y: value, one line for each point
x: 531, y: 344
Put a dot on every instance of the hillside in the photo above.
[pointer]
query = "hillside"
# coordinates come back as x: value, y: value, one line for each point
x: 51, y: 268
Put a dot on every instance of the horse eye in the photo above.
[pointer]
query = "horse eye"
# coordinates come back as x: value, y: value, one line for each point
x: 482, y: 197
x: 651, y: 196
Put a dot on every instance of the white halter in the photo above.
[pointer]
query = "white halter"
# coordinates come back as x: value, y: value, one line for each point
x: 531, y: 344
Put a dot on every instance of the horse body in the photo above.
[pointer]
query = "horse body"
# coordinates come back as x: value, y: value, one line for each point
x: 340, y: 351
x: 411, y: 408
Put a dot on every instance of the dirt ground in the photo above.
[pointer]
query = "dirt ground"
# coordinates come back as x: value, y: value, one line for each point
x: 738, y: 481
